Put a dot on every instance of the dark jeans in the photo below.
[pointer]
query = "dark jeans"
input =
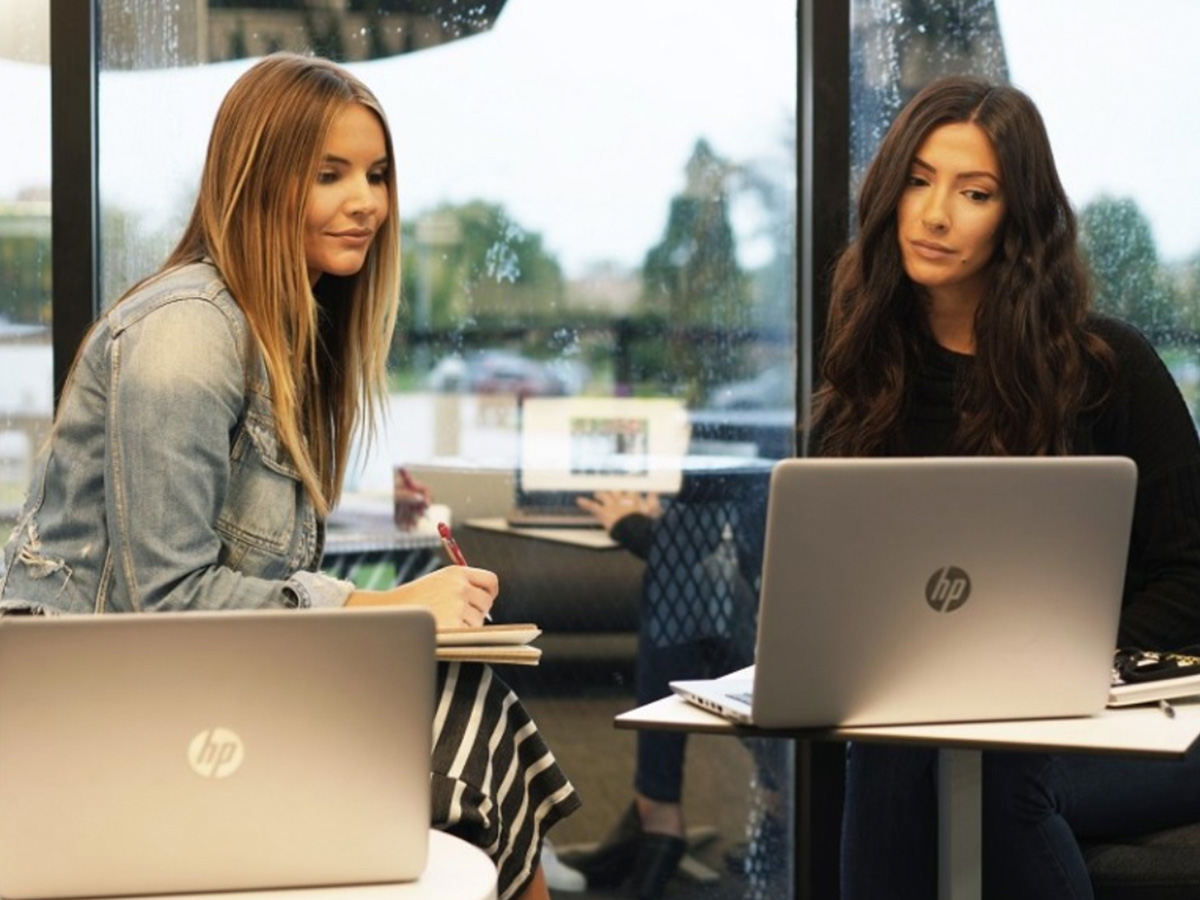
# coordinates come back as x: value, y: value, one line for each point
x: 660, y: 754
x: 1034, y: 807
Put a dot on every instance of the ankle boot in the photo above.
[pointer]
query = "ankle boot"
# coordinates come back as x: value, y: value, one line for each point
x: 658, y: 857
x: 615, y: 857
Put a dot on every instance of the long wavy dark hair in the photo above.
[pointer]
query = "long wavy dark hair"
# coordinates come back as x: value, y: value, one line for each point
x: 1035, y: 363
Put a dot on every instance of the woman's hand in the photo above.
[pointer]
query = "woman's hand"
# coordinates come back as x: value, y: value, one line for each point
x: 610, y: 506
x: 457, y: 596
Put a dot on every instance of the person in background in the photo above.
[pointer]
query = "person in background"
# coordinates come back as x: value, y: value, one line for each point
x: 203, y: 434
x: 697, y: 611
x: 960, y: 324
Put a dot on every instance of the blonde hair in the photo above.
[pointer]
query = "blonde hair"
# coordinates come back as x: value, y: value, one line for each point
x: 325, y: 352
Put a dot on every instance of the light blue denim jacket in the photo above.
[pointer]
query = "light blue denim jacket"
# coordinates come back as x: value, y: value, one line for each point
x: 163, y: 485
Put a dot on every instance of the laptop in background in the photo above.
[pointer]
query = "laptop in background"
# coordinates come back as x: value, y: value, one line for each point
x: 934, y: 590
x: 189, y: 752
x: 569, y: 447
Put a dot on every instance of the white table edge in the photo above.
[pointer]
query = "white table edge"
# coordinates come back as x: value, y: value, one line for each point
x: 1144, y: 731
x: 455, y: 869
x: 1141, y: 731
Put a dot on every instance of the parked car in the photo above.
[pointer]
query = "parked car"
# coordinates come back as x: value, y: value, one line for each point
x: 772, y: 388
x: 496, y: 372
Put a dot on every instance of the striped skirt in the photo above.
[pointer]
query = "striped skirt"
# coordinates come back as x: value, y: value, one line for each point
x: 494, y: 781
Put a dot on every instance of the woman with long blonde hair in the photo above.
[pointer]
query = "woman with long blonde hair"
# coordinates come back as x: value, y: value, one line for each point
x: 204, y: 433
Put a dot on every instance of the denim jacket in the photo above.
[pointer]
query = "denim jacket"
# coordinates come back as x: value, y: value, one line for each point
x: 163, y: 485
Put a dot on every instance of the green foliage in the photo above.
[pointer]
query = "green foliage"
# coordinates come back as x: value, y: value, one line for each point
x: 1185, y: 287
x: 25, y: 279
x: 471, y: 266
x: 25, y: 276
x: 692, y: 276
x: 1119, y: 247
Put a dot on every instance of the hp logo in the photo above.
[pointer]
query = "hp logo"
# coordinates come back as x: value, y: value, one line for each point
x: 948, y: 589
x: 215, y: 753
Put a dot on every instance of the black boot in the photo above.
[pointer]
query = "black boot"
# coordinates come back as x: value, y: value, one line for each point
x: 658, y: 857
x: 614, y: 858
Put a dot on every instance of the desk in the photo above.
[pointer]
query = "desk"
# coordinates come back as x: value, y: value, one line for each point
x: 455, y: 869
x: 588, y: 538
x: 1142, y: 731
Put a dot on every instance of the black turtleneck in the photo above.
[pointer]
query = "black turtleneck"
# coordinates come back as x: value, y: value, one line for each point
x: 1143, y: 417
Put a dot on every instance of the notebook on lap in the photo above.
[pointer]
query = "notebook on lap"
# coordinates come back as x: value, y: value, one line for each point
x: 934, y: 590
x: 185, y: 752
x: 569, y: 447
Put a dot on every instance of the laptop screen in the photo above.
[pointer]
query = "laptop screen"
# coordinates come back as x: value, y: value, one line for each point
x: 572, y: 445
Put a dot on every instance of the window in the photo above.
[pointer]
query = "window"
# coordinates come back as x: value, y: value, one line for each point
x: 598, y: 198
x: 1113, y: 106
x: 26, y: 387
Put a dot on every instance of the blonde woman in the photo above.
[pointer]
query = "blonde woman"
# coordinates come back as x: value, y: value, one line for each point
x: 204, y: 433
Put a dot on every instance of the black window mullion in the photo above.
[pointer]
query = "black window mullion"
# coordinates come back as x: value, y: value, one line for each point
x: 74, y: 63
x: 823, y: 192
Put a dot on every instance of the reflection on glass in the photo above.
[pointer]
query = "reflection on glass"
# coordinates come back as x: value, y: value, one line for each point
x: 575, y: 220
x: 597, y: 198
x: 144, y: 34
x: 26, y: 361
x: 1111, y: 105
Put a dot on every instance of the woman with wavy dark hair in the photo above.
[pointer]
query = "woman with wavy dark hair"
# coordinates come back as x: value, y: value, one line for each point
x: 1031, y: 349
x: 960, y: 324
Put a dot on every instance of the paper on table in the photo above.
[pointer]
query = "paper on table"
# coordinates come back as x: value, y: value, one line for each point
x: 1152, y: 691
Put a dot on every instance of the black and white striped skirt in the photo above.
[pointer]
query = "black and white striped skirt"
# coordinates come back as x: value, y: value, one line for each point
x: 494, y: 781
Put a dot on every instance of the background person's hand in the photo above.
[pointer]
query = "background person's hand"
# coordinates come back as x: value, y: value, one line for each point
x: 410, y: 499
x: 458, y: 596
x: 609, y: 507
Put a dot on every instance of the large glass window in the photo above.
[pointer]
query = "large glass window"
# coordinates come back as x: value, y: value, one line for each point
x: 598, y: 200
x: 1114, y: 104
x: 27, y: 382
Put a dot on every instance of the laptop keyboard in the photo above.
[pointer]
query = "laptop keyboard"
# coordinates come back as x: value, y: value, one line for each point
x: 552, y: 515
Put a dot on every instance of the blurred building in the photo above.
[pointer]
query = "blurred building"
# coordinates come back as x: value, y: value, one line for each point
x: 151, y: 34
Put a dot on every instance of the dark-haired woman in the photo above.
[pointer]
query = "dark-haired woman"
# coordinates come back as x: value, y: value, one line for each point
x: 960, y: 324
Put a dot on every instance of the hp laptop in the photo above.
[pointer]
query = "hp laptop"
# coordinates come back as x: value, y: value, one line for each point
x: 165, y: 752
x: 568, y: 447
x: 934, y: 590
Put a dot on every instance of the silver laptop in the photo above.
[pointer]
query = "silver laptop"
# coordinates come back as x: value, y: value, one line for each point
x: 934, y: 590
x: 569, y: 447
x: 204, y: 751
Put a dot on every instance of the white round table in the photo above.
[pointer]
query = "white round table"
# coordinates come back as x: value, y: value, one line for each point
x: 455, y: 869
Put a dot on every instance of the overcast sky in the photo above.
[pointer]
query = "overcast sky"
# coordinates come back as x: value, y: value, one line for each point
x: 1118, y: 83
x: 582, y: 130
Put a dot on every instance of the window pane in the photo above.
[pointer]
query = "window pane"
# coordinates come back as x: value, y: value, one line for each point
x: 1114, y: 117
x: 27, y: 385
x: 597, y: 199
x: 1123, y: 144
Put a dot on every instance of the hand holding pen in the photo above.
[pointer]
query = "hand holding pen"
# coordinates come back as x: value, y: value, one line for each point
x: 455, y: 552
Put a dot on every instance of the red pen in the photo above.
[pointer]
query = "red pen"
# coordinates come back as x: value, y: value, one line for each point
x: 456, y: 554
x: 451, y: 544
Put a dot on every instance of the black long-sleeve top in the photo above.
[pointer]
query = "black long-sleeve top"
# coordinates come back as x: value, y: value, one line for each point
x: 1143, y: 417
